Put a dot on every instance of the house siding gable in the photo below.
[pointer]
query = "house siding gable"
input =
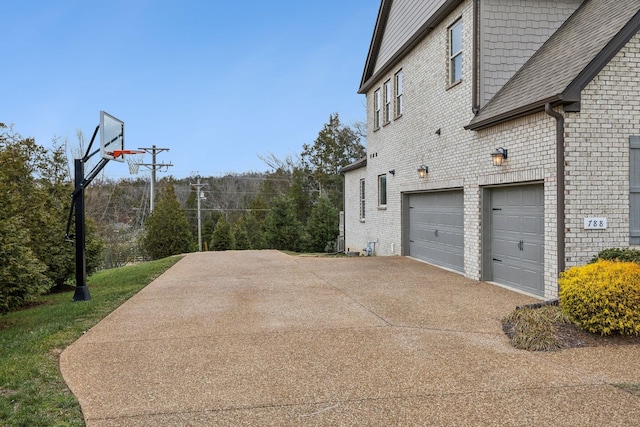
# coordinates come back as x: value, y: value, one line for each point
x: 405, y: 19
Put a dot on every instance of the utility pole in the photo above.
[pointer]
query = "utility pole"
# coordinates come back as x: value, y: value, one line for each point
x: 200, y: 196
x: 153, y: 167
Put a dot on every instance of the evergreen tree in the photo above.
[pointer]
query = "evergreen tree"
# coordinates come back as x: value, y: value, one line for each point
x: 241, y: 234
x: 323, y: 226
x: 253, y: 222
x: 222, y: 239
x: 208, y: 225
x: 167, y: 230
x: 336, y: 146
x: 22, y: 275
x: 304, y: 190
x: 282, y: 229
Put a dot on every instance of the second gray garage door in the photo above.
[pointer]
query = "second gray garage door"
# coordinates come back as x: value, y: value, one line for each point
x: 436, y: 228
x: 517, y: 237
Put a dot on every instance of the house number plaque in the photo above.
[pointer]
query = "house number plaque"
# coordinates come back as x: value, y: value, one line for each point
x: 595, y: 223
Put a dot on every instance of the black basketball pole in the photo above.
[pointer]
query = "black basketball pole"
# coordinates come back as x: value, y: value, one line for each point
x: 82, y: 290
x: 77, y: 203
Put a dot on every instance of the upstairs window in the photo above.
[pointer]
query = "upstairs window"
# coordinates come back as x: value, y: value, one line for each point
x: 398, y: 94
x: 455, y: 52
x: 382, y: 190
x: 376, y: 109
x: 388, y: 96
x: 362, y: 199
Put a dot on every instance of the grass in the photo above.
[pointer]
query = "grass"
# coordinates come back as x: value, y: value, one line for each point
x: 535, y: 329
x: 32, y: 391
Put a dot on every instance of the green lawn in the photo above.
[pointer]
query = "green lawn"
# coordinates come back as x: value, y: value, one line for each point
x: 32, y: 391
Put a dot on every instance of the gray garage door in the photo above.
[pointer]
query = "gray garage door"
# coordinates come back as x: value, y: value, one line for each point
x: 436, y: 228
x: 517, y: 237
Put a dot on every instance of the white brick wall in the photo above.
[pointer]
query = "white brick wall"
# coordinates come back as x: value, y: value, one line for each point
x: 596, y: 141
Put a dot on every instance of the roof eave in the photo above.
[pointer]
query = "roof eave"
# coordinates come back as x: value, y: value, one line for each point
x: 376, y: 38
x: 358, y: 164
x: 534, y: 107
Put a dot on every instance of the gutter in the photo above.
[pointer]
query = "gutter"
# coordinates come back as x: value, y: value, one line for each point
x: 560, y: 184
x: 475, y: 104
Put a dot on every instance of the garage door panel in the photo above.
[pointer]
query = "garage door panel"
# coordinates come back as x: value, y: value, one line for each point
x: 530, y: 227
x: 503, y: 247
x: 436, y: 228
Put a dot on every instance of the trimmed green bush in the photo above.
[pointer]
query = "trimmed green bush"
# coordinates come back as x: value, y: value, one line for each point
x: 603, y: 297
x: 618, y: 254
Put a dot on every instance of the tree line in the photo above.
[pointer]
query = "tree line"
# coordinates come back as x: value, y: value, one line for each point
x: 293, y: 206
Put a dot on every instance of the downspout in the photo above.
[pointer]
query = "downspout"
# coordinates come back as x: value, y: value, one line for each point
x: 475, y: 105
x: 560, y: 184
x: 344, y: 213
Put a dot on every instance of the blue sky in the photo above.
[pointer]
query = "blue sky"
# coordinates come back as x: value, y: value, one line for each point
x: 217, y: 83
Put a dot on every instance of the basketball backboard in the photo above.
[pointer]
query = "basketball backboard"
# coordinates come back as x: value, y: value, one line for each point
x: 111, y: 137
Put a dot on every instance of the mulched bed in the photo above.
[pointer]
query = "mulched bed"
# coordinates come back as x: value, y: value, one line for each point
x: 571, y: 336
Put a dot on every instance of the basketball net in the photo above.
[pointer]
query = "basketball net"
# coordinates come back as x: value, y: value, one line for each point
x: 134, y: 164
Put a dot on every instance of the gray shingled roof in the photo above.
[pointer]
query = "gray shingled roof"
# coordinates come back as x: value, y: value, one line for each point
x: 565, y: 64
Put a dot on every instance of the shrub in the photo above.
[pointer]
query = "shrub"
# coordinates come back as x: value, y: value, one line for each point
x: 167, y: 230
x: 222, y: 238
x: 618, y: 254
x: 603, y: 297
x: 534, y: 329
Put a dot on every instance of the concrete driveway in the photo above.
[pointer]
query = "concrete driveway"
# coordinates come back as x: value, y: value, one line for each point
x: 259, y: 338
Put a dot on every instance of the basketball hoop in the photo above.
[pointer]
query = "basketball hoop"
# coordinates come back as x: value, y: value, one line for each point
x: 133, y: 162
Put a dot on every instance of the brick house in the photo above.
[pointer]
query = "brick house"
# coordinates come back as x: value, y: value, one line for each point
x: 550, y: 90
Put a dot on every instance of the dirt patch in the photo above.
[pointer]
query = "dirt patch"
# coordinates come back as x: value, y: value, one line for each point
x: 571, y: 336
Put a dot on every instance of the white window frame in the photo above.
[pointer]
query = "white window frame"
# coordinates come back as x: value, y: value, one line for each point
x: 398, y: 94
x: 382, y: 190
x: 388, y: 96
x: 376, y: 109
x: 362, y: 199
x: 455, y: 52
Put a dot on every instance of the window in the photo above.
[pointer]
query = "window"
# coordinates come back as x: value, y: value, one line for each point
x: 398, y: 87
x: 362, y: 199
x: 388, y: 96
x: 376, y: 109
x: 455, y: 53
x: 382, y: 190
x: 634, y: 190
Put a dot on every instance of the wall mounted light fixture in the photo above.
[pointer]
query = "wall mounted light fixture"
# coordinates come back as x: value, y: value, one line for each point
x: 392, y: 172
x: 499, y: 156
x: 423, y: 171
